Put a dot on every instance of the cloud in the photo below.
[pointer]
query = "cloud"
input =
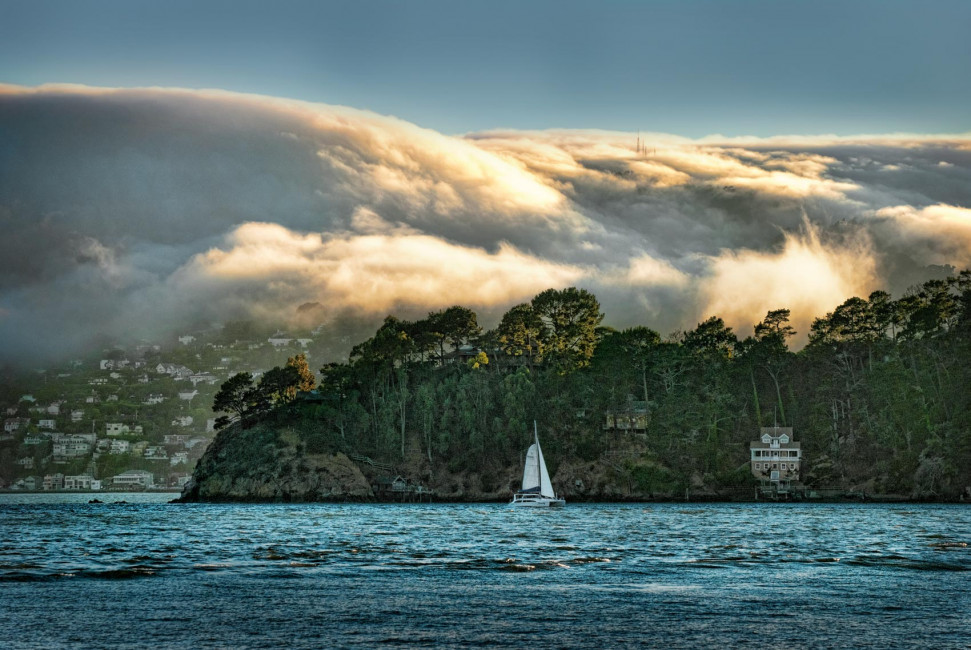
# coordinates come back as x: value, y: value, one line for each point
x: 140, y: 212
x: 806, y: 276
x: 370, y: 273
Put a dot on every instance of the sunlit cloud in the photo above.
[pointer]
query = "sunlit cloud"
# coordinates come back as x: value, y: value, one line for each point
x: 136, y: 211
x: 806, y: 276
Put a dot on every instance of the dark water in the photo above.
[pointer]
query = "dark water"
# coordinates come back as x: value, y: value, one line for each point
x: 309, y: 576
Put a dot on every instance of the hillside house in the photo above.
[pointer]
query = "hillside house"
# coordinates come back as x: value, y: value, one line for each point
x: 635, y: 417
x: 10, y: 425
x: 156, y: 453
x: 203, y: 377
x: 154, y: 398
x: 116, y: 429
x: 187, y: 339
x: 175, y: 439
x: 26, y: 462
x: 77, y: 415
x: 179, y: 457
x: 182, y: 421
x: 54, y: 408
x: 46, y: 424
x: 119, y: 447
x: 187, y: 395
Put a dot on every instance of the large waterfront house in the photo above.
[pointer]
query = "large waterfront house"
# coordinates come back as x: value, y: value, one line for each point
x: 775, y: 458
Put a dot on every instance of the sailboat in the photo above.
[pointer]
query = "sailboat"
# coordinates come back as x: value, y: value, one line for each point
x: 537, y: 491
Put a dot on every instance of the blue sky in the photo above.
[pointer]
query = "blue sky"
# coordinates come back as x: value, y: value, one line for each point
x: 691, y: 67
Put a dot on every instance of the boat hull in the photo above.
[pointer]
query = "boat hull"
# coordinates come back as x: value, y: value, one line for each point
x: 535, y: 501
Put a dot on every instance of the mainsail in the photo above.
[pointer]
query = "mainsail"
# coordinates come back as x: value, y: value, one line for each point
x: 536, y: 478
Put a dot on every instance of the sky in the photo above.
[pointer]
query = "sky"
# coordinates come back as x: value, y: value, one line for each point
x: 690, y: 67
x: 164, y: 166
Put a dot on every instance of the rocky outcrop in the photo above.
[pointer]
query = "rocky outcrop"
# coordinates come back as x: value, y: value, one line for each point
x: 262, y: 464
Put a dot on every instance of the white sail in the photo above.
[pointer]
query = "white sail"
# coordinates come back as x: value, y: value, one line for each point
x: 531, y: 473
x: 545, y: 486
x: 537, y: 489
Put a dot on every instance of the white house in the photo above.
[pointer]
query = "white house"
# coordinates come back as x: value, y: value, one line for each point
x: 77, y: 415
x: 134, y: 478
x: 54, y: 408
x: 116, y: 429
x: 186, y: 339
x: 182, y: 421
x: 120, y: 447
x: 187, y: 395
x: 155, y: 398
x: 46, y: 424
x: 15, y: 424
x: 81, y: 482
x: 179, y: 457
x: 54, y: 481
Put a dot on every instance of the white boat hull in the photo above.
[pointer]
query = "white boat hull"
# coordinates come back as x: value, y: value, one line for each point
x: 535, y: 501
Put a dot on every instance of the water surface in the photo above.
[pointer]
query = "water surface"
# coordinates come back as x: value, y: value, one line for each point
x: 145, y: 572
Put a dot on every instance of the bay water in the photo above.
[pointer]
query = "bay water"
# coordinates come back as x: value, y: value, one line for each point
x: 146, y: 573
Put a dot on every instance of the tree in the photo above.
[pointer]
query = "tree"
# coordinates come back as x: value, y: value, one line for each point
x: 277, y: 386
x: 712, y: 337
x: 234, y: 396
x: 519, y: 334
x: 570, y: 318
x: 307, y: 380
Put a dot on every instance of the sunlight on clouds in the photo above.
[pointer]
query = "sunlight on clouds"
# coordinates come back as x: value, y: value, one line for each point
x: 807, y: 277
x: 943, y: 232
x: 376, y: 272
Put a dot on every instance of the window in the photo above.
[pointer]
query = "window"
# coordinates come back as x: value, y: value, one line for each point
x: 758, y: 465
x: 774, y: 465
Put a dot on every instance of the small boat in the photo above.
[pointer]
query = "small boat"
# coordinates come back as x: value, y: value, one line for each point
x: 537, y: 490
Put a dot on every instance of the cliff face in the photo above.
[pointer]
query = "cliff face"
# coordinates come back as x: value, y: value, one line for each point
x: 263, y: 463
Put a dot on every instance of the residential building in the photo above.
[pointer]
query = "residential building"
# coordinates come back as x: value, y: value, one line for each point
x: 81, y: 482
x: 54, y: 481
x: 137, y: 478
x: 15, y: 424
x: 116, y: 429
x: 776, y: 457
x: 179, y: 457
x: 156, y: 453
x: 77, y: 415
x: 182, y: 421
x: 46, y: 424
x: 120, y: 447
x: 187, y: 395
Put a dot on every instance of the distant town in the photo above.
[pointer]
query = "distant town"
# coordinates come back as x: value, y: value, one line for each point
x: 132, y: 418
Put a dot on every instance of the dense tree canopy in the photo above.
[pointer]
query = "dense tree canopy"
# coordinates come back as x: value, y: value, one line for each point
x: 877, y: 398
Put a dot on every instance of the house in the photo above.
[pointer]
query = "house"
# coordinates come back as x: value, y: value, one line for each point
x: 187, y: 395
x: 31, y: 483
x: 211, y: 425
x: 187, y: 339
x: 182, y: 421
x: 776, y: 458
x: 54, y: 482
x: 92, y: 399
x: 77, y: 415
x: 54, y: 408
x: 279, y: 339
x: 203, y: 377
x: 179, y: 457
x: 134, y: 478
x: 98, y: 381
x: 154, y: 398
x: 120, y: 447
x: 33, y: 440
x: 112, y: 398
x: 175, y: 439
x: 304, y: 342
x: 156, y: 453
x: 15, y: 424
x: 635, y: 418
x: 81, y: 482
x: 46, y: 424
x: 70, y: 447
x: 116, y: 429
x: 26, y: 462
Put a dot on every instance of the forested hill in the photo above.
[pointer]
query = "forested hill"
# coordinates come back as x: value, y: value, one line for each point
x: 880, y: 399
